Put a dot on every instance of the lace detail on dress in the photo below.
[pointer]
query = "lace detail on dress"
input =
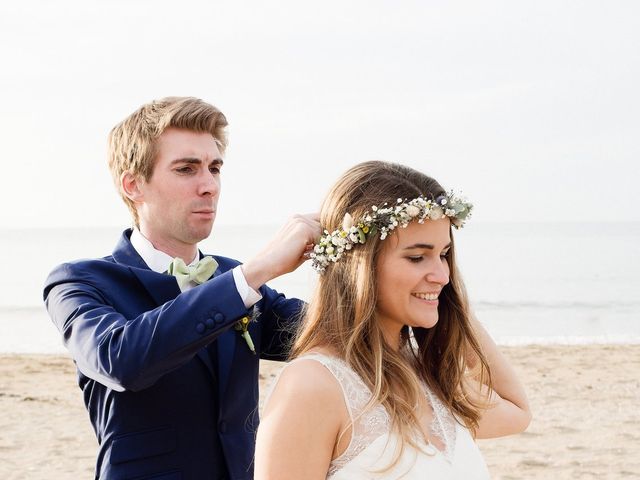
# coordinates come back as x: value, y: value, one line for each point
x: 369, y: 425
x: 443, y: 425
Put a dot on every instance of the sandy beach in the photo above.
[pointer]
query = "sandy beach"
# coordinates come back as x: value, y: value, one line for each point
x: 586, y: 402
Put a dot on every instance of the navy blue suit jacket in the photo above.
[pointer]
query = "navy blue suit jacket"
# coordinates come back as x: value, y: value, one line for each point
x: 170, y: 386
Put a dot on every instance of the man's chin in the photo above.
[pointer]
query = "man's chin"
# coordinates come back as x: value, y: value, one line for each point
x: 201, y: 232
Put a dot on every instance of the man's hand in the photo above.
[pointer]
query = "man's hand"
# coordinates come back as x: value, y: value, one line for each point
x: 285, y: 252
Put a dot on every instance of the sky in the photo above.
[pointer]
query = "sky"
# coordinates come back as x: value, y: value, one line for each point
x: 530, y: 108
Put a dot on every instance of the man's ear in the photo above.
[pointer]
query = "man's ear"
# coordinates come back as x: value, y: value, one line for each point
x: 130, y: 186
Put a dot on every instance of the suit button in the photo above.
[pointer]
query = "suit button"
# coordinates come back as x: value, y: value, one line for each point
x: 218, y: 317
x: 222, y: 426
x: 200, y: 327
x: 209, y: 322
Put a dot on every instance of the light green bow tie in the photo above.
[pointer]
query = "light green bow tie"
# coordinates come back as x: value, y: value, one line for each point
x: 198, y: 273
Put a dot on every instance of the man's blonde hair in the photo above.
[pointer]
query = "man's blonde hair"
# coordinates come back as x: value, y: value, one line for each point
x: 133, y: 142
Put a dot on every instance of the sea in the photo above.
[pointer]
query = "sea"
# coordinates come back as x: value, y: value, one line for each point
x: 529, y: 283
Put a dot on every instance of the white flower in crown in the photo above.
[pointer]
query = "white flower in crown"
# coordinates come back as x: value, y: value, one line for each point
x: 383, y: 220
x: 413, y: 211
x: 347, y: 222
x: 436, y: 213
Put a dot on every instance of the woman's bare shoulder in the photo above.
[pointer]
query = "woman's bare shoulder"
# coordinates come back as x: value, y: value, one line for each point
x: 301, y: 417
x: 308, y: 377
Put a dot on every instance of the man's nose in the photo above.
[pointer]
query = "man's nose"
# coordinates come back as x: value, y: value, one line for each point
x: 209, y: 183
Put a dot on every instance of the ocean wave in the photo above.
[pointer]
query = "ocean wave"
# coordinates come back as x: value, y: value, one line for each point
x: 557, y: 305
x: 517, y: 341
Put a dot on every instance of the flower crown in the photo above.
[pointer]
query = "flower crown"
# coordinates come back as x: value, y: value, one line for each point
x: 385, y: 219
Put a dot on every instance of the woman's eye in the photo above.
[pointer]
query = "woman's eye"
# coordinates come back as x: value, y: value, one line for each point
x: 415, y: 258
x: 444, y: 254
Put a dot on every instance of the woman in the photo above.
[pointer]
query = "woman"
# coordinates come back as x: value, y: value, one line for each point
x: 393, y: 377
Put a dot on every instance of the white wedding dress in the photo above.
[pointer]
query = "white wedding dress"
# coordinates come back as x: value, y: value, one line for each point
x: 372, y: 445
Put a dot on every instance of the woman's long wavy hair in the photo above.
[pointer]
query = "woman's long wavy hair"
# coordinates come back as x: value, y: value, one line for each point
x: 342, y: 313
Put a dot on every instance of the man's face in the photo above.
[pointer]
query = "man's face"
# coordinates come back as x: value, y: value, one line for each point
x: 178, y: 204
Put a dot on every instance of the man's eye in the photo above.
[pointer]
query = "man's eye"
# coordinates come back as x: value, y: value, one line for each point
x: 185, y: 169
x: 214, y: 170
x: 415, y: 258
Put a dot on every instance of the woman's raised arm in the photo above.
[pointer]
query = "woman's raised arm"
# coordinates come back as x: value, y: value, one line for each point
x: 509, y: 410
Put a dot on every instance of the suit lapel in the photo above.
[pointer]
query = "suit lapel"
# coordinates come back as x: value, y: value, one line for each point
x: 160, y: 286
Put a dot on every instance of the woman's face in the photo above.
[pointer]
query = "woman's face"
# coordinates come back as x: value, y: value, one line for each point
x: 412, y: 269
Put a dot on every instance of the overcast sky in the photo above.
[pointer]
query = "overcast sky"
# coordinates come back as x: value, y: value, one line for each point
x: 531, y: 108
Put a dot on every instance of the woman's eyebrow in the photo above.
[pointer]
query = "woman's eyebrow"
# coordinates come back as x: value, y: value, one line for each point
x: 428, y: 246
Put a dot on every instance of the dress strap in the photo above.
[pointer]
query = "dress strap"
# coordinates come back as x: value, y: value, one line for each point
x: 367, y: 424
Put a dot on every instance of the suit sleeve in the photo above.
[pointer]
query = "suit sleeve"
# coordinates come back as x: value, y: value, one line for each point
x: 131, y: 352
x: 279, y: 318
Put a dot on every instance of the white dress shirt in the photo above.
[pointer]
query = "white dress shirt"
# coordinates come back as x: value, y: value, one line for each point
x: 159, y: 262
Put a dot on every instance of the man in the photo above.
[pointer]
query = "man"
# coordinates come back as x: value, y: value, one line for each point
x: 166, y: 368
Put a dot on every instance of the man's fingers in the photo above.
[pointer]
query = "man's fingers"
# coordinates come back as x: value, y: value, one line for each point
x: 310, y: 224
x: 308, y: 250
x: 311, y: 219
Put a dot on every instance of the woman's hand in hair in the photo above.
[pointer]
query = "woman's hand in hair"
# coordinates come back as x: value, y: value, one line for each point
x: 508, y: 410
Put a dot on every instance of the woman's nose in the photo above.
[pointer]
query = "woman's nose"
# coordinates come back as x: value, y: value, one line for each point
x: 439, y: 272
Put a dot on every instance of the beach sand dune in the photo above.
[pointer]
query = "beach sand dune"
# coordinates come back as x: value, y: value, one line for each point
x: 586, y: 403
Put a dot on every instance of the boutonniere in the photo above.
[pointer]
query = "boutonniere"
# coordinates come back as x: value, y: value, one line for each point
x: 242, y: 326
